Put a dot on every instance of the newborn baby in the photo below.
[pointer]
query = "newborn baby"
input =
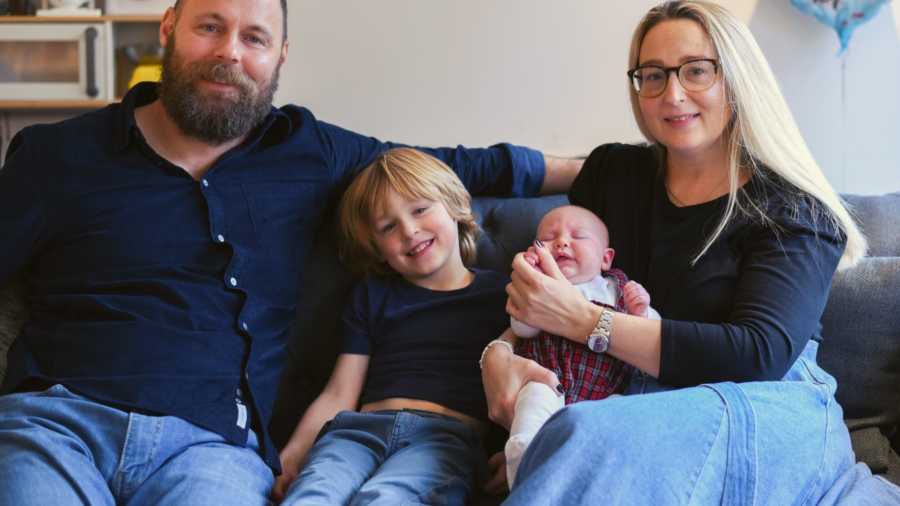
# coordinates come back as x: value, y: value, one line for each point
x: 579, y: 243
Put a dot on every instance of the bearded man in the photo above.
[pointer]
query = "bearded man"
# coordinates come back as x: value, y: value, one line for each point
x: 161, y: 241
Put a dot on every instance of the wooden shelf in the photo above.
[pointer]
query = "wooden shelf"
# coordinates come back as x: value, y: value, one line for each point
x: 118, y: 30
x: 81, y: 19
x: 51, y: 104
x: 134, y: 18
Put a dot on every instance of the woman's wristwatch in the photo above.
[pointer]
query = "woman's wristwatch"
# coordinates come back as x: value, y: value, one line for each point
x: 598, y: 340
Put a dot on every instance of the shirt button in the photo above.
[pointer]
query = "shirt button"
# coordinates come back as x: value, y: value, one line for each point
x: 205, y: 182
x: 244, y: 326
x: 233, y: 281
x: 220, y: 238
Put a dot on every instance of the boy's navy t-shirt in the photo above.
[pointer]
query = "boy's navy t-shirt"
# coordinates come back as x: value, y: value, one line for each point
x: 425, y: 344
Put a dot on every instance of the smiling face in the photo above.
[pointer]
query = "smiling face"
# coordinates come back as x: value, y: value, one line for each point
x: 688, y: 124
x: 578, y: 241
x: 218, y: 80
x: 420, y: 240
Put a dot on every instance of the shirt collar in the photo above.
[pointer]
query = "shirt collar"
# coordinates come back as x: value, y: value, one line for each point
x: 275, y: 128
x: 599, y: 289
x: 126, y: 127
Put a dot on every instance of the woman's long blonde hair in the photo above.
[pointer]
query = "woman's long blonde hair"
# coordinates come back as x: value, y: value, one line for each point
x: 762, y: 132
x: 415, y: 175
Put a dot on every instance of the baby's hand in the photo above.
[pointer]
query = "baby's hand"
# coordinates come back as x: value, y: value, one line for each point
x: 637, y: 300
x: 532, y: 258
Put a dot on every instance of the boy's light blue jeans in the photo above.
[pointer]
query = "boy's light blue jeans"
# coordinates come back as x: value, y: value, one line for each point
x: 57, y: 447
x: 759, y: 443
x: 390, y: 458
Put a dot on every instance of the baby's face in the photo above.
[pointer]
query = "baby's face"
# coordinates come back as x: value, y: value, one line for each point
x: 578, y: 241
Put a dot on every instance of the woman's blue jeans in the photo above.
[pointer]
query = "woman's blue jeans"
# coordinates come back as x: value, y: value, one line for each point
x: 57, y: 447
x: 778, y: 442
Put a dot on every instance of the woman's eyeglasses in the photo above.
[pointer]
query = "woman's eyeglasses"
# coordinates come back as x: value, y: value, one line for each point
x: 650, y: 81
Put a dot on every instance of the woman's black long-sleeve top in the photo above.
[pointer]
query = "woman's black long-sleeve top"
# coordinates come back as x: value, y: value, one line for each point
x: 749, y: 306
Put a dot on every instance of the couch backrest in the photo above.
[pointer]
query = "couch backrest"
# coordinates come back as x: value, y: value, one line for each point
x: 861, y: 323
x: 879, y: 216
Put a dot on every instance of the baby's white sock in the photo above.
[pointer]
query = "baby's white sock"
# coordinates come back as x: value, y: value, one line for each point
x: 535, y: 404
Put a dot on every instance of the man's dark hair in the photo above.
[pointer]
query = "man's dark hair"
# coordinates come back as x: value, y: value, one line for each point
x: 284, y: 23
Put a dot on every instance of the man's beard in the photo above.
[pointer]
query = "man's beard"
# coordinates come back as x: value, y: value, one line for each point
x: 215, y: 119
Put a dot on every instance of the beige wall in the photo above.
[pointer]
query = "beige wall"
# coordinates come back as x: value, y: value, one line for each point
x: 550, y: 74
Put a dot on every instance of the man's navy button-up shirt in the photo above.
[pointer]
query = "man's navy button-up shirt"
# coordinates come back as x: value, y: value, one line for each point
x: 152, y: 291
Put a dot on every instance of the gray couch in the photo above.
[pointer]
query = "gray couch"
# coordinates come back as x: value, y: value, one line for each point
x: 861, y: 323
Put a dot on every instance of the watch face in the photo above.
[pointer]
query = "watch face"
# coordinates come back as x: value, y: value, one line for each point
x: 598, y: 344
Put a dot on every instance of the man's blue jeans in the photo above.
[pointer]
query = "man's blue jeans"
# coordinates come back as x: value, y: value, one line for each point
x: 390, y: 457
x: 57, y: 447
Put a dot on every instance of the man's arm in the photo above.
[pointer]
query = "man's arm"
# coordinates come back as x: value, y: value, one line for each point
x: 500, y: 170
x: 559, y: 173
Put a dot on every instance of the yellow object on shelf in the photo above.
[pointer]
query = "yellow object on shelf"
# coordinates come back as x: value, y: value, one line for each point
x: 148, y: 69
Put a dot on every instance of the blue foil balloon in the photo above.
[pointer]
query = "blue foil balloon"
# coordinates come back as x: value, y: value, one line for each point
x: 842, y: 15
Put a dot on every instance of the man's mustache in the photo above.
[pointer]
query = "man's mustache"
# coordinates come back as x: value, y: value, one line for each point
x: 224, y: 74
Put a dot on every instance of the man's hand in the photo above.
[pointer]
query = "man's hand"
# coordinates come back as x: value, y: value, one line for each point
x: 637, y: 300
x: 496, y: 484
x: 503, y: 375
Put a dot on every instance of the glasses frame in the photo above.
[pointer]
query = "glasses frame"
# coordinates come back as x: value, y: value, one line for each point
x: 668, y: 70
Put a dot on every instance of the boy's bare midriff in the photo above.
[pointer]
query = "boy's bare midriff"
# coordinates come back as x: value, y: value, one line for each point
x: 404, y: 403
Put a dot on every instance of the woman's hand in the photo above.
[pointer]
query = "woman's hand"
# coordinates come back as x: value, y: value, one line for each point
x: 547, y: 300
x: 504, y: 374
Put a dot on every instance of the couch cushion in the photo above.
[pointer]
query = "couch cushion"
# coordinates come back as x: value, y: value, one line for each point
x: 861, y: 340
x: 509, y: 226
x: 879, y: 216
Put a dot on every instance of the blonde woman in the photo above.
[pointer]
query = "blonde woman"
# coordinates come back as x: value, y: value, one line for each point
x: 731, y: 226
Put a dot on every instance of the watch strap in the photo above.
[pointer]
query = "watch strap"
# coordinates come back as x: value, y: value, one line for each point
x: 598, y: 340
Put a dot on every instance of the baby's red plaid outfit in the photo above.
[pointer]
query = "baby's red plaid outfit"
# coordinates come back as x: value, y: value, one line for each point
x: 584, y: 374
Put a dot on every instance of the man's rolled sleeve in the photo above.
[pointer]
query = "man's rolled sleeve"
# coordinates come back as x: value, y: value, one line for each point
x: 500, y: 170
x: 528, y: 170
